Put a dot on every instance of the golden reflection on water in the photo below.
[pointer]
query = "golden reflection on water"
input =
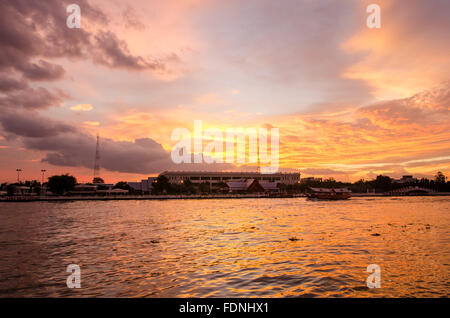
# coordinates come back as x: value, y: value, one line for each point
x: 227, y: 248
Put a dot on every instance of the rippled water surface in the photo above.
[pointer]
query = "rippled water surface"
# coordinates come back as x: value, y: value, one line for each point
x: 227, y: 248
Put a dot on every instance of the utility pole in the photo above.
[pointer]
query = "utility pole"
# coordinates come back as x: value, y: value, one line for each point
x: 18, y: 175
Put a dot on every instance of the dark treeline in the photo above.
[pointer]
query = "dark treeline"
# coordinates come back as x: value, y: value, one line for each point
x: 62, y: 184
x: 380, y: 184
x: 56, y: 184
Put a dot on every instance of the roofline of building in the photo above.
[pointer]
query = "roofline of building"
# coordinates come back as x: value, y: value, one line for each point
x: 228, y: 172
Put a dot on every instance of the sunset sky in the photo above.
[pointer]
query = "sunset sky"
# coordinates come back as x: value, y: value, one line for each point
x: 350, y: 102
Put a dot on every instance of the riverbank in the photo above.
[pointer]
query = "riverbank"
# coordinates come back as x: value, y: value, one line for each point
x: 188, y: 197
x: 141, y: 197
x: 432, y: 194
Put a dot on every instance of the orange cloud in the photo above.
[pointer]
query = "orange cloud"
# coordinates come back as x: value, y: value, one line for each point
x: 82, y: 107
x: 407, y: 54
x: 411, y: 134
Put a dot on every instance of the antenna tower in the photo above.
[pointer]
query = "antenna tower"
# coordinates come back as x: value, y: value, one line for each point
x: 97, y: 158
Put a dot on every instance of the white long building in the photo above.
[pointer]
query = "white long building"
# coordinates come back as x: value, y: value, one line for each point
x: 216, y: 177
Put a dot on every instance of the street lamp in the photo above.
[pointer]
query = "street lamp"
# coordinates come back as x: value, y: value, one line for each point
x: 18, y: 175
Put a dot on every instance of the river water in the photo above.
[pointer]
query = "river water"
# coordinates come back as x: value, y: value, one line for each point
x: 290, y: 247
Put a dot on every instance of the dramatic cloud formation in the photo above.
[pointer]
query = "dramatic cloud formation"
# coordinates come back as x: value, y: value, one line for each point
x: 76, y: 149
x: 383, y: 137
x: 33, y: 32
x: 33, y: 98
x: 31, y: 29
x: 349, y: 101
x: 34, y: 29
x: 141, y: 156
x: 114, y: 53
x: 408, y: 53
x: 42, y: 71
x: 8, y: 84
x: 32, y: 125
x: 66, y: 145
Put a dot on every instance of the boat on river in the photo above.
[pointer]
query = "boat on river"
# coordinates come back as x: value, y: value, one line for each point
x: 329, y: 193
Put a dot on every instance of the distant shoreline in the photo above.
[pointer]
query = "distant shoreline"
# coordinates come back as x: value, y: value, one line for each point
x: 188, y: 197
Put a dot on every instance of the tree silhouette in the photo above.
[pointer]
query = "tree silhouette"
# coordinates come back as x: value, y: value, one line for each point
x: 161, y: 185
x: 98, y: 180
x: 440, y: 177
x: 124, y: 186
x: 61, y: 184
